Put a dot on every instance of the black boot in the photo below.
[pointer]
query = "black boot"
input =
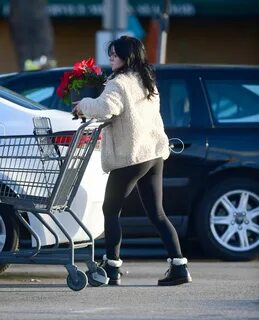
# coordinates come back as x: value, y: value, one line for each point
x: 112, y: 268
x: 177, y: 273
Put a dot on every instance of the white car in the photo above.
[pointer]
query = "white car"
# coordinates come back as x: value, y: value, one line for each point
x: 16, y: 118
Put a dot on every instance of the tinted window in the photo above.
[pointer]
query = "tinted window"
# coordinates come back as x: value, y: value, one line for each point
x: 175, y: 102
x: 41, y: 95
x: 46, y: 95
x: 20, y: 100
x: 234, y: 101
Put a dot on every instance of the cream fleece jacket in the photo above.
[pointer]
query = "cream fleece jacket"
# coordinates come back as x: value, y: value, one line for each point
x: 136, y: 133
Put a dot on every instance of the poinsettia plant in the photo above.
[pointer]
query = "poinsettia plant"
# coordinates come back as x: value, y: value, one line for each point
x: 84, y: 73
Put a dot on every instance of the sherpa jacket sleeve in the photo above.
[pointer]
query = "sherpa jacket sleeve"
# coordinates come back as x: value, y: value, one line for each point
x: 108, y: 104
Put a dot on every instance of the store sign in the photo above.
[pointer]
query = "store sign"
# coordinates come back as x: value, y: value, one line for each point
x: 75, y: 10
x: 95, y: 8
x: 181, y: 8
x: 67, y: 9
x: 176, y: 9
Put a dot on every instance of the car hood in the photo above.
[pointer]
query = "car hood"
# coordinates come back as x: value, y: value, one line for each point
x: 17, y: 120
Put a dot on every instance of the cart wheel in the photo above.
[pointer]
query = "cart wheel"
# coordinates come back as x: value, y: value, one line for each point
x: 80, y: 283
x: 98, y: 278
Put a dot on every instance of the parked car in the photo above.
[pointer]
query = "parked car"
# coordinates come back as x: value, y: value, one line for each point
x: 16, y: 118
x: 39, y: 86
x: 211, y: 180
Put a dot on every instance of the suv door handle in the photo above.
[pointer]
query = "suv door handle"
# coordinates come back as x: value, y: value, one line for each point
x: 177, y: 145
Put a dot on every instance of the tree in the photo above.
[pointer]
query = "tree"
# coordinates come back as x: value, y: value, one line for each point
x: 32, y: 33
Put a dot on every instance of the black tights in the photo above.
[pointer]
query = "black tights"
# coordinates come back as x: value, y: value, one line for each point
x: 147, y: 176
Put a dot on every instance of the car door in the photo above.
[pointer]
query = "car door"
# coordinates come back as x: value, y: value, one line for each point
x: 186, y: 120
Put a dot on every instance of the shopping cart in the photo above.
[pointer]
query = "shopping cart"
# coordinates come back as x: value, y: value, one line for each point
x: 40, y: 174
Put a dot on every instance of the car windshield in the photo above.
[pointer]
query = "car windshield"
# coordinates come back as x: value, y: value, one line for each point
x: 20, y: 100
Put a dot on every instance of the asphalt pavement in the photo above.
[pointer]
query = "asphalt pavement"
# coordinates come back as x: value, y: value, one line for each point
x: 220, y: 290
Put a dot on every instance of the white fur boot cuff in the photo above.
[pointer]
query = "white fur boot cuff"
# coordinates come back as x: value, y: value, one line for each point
x: 177, y: 261
x: 113, y: 263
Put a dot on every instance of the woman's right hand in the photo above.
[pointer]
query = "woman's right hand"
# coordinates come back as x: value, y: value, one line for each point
x: 77, y: 112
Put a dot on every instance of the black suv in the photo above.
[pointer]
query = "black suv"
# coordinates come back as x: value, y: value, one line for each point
x: 211, y: 180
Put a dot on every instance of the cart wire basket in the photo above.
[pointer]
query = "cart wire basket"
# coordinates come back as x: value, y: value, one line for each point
x: 40, y: 174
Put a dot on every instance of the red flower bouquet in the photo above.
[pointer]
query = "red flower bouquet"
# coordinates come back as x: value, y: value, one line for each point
x: 85, y: 74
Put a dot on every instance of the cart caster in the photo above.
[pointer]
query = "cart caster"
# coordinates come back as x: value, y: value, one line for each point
x: 97, y: 278
x: 79, y: 283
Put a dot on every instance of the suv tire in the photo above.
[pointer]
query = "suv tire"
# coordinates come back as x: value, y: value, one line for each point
x: 225, y: 228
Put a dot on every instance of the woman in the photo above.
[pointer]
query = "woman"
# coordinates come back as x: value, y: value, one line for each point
x: 133, y: 149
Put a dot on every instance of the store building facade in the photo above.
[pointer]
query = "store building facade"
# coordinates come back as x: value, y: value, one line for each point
x: 201, y: 31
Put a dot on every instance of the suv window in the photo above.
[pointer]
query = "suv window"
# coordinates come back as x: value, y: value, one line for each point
x: 234, y: 101
x: 46, y: 95
x: 17, y: 98
x: 41, y: 95
x: 175, y: 102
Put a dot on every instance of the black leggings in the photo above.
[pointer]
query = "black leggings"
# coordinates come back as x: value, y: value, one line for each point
x: 147, y: 176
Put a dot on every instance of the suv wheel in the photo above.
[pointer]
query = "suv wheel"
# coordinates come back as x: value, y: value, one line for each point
x: 228, y: 220
x: 9, y: 232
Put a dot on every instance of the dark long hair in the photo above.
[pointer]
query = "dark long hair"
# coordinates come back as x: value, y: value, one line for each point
x: 132, y: 51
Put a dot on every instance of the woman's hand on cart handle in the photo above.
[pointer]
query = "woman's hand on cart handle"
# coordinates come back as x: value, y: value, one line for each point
x: 76, y: 110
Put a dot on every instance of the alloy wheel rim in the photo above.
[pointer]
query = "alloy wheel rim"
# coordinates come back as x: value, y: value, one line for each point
x: 234, y: 220
x: 2, y: 234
